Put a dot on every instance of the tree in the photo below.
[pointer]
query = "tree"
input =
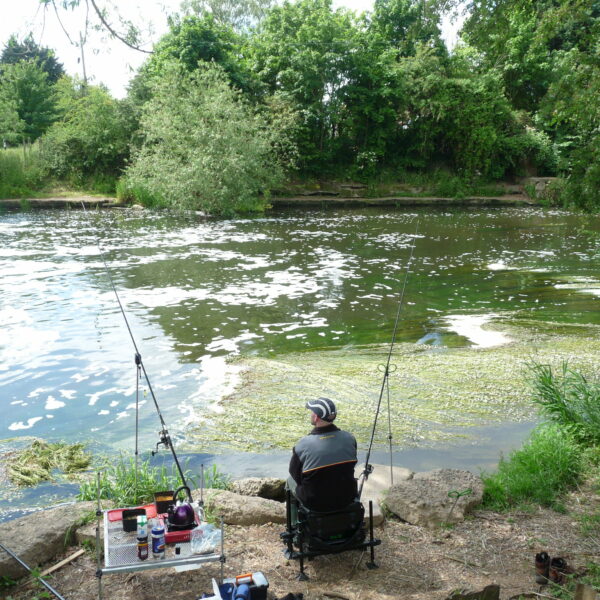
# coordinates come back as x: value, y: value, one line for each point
x: 305, y: 53
x: 199, y: 39
x: 27, y: 50
x: 26, y: 84
x: 204, y: 148
x: 242, y: 15
x: 91, y: 140
x: 10, y: 123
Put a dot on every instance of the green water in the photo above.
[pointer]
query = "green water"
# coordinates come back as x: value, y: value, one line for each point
x: 235, y: 316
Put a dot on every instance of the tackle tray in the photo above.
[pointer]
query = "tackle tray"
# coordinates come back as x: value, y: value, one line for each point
x: 120, y: 551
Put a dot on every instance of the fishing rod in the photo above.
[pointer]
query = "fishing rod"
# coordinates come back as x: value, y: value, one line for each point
x: 164, y: 436
x: 369, y: 468
x: 40, y: 579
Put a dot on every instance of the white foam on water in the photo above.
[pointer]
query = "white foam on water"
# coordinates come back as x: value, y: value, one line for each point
x: 20, y: 425
x: 471, y: 327
x: 52, y: 403
x: 500, y: 266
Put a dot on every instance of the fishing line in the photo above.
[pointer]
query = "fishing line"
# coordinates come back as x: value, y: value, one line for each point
x: 369, y: 468
x: 165, y: 438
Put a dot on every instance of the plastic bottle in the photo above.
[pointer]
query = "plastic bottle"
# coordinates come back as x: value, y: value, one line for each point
x: 142, y: 526
x: 142, y: 547
x: 158, y: 542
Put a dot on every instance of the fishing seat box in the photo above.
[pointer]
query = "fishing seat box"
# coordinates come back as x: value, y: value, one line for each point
x: 257, y: 581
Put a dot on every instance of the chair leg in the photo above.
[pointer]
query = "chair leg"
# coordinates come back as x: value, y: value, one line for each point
x: 371, y: 564
x: 302, y: 576
x: 288, y: 536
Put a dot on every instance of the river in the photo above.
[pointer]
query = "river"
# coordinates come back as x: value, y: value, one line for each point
x: 198, y: 292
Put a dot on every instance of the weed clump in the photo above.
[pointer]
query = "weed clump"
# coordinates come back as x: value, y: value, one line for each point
x: 39, y: 461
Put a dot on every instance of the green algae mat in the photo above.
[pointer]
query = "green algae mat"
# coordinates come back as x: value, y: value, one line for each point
x: 436, y: 394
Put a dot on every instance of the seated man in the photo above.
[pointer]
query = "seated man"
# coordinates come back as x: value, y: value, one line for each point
x: 322, y: 463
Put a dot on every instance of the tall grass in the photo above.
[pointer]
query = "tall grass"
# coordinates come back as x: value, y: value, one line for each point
x: 118, y: 481
x: 21, y: 172
x: 547, y: 465
x: 569, y: 399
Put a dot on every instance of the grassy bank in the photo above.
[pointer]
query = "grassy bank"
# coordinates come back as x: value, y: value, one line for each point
x: 561, y: 452
x: 24, y: 175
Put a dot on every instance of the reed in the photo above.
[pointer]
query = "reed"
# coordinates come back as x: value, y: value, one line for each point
x: 569, y: 399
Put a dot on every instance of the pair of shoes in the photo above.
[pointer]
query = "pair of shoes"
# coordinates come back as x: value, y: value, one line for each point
x: 550, y: 570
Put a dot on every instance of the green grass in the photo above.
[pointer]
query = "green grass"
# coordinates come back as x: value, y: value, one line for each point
x: 118, y: 481
x: 546, y: 466
x: 569, y: 399
x: 21, y: 173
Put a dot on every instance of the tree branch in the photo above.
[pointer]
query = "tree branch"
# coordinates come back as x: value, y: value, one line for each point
x: 113, y: 32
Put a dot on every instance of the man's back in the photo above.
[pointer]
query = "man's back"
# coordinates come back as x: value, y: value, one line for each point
x: 322, y: 465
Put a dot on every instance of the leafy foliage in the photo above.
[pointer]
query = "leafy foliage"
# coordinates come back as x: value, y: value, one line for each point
x: 91, y: 139
x: 204, y: 147
x: 16, y: 51
x: 26, y: 89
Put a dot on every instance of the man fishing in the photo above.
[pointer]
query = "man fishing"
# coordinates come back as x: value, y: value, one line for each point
x: 322, y: 464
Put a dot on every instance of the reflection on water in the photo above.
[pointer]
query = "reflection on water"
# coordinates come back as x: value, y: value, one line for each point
x: 197, y: 292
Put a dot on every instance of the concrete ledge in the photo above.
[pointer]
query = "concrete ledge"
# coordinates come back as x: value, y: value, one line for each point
x: 508, y: 200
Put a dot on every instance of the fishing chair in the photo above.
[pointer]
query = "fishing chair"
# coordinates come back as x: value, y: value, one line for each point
x: 317, y: 533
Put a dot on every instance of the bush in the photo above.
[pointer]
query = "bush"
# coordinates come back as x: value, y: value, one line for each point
x: 91, y: 142
x: 570, y: 400
x: 547, y: 465
x: 204, y: 147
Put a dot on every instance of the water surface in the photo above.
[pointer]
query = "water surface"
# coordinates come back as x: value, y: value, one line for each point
x: 197, y: 292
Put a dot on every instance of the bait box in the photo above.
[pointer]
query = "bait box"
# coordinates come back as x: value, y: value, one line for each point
x: 257, y: 581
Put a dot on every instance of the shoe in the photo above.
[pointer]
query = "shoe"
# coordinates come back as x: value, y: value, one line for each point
x: 542, y: 568
x: 558, y: 570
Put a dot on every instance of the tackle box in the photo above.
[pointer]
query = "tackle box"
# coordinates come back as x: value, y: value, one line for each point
x: 257, y: 581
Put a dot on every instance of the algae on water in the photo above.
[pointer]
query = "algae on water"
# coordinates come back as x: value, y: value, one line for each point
x: 39, y: 461
x: 436, y: 393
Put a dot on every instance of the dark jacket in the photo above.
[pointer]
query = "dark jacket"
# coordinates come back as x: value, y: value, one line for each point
x: 322, y: 465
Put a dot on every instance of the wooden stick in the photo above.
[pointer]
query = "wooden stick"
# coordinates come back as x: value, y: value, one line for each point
x: 335, y: 595
x: 62, y: 563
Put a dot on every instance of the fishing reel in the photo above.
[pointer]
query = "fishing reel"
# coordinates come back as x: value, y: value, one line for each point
x: 165, y: 441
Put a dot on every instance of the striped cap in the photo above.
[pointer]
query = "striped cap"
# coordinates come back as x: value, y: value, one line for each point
x: 324, y: 408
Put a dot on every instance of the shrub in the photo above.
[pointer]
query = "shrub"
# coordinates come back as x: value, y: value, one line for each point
x: 91, y: 142
x: 547, y: 465
x: 205, y: 148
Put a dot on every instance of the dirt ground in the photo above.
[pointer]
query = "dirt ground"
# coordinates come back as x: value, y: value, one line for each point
x: 414, y: 563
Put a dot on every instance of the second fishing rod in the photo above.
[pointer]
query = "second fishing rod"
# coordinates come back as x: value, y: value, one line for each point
x: 368, y: 469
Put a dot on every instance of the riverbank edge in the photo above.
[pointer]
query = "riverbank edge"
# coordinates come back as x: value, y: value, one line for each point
x: 277, y: 202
